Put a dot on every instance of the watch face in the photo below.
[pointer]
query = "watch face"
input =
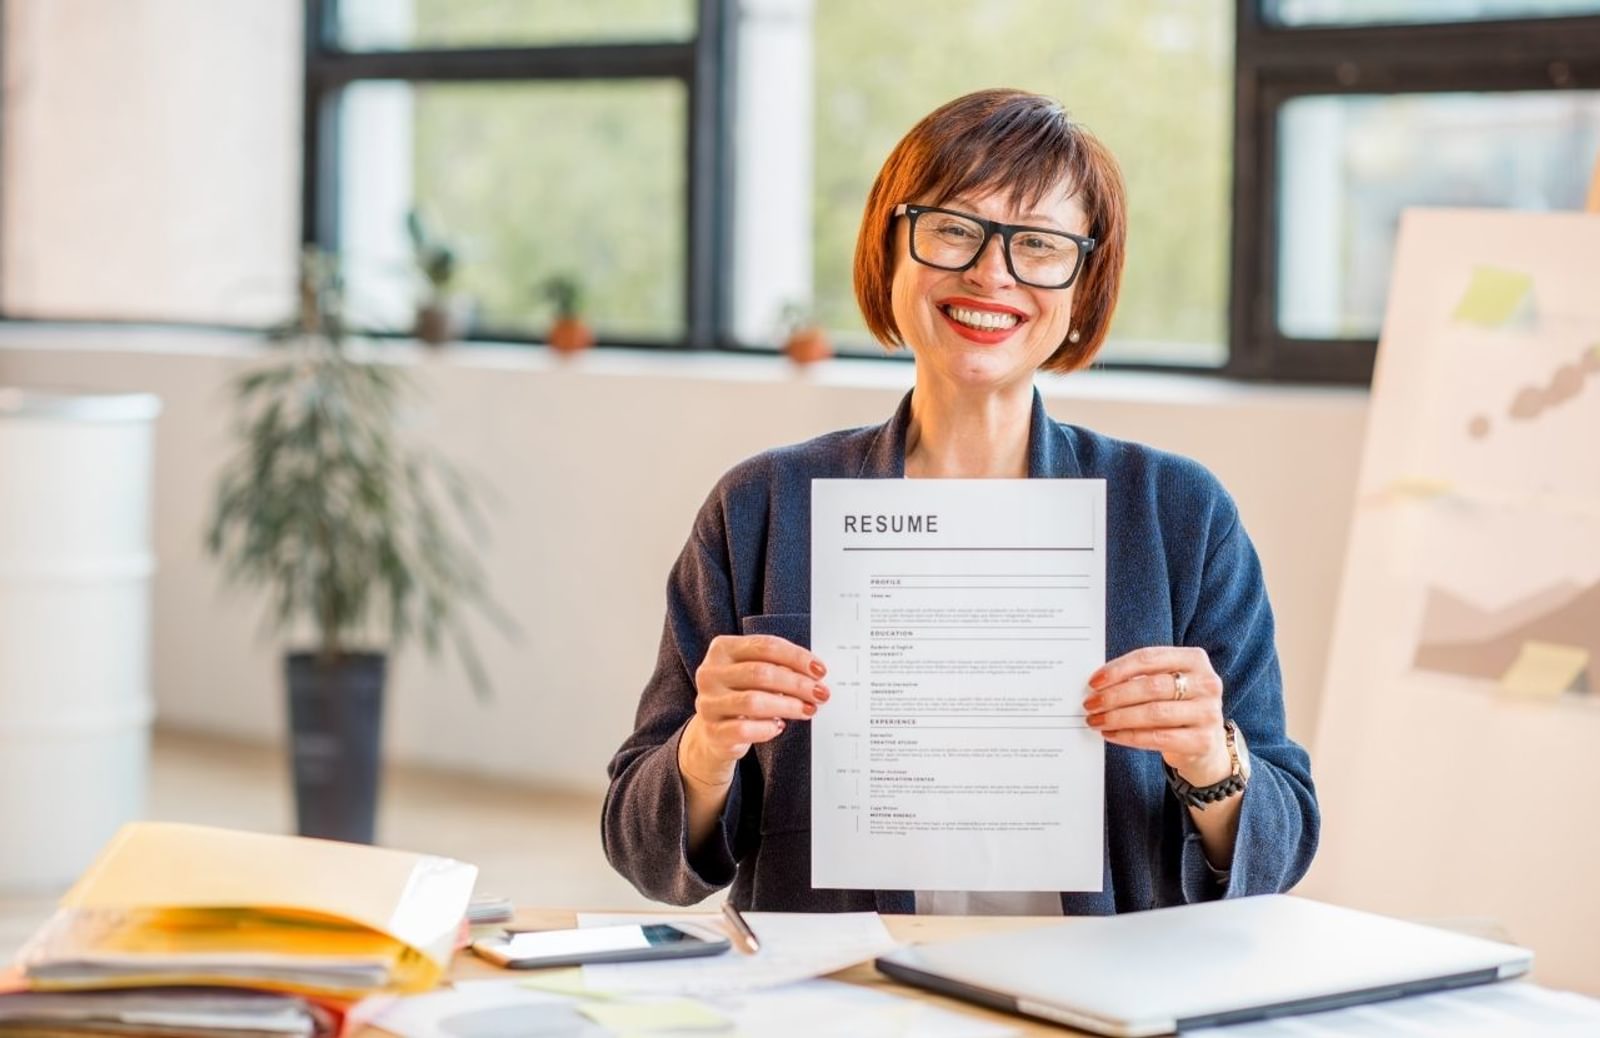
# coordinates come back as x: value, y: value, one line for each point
x: 1242, y: 750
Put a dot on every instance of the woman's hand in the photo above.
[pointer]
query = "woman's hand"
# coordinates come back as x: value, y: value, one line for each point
x: 1139, y: 700
x: 748, y: 687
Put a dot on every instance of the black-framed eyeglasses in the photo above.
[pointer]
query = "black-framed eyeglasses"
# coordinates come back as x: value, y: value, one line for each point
x: 951, y: 240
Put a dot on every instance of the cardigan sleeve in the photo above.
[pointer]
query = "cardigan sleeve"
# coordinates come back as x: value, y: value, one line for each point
x: 1278, y: 816
x: 644, y: 823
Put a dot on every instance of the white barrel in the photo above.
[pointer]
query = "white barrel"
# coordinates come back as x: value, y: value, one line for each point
x: 75, y: 571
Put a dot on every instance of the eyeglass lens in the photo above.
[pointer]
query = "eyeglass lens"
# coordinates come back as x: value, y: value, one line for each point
x: 1037, y: 257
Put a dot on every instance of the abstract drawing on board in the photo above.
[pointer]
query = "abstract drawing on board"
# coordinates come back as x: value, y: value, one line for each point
x: 1463, y: 686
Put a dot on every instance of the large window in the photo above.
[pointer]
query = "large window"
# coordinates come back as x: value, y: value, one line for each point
x: 699, y: 167
x: 537, y: 142
x: 1351, y: 111
x: 1151, y: 78
x: 506, y: 175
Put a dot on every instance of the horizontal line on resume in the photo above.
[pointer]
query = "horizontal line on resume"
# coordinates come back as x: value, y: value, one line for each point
x: 978, y: 587
x: 946, y: 638
x: 988, y: 576
x: 991, y: 727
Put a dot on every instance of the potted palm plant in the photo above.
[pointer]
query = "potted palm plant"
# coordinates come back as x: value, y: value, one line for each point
x: 358, y: 536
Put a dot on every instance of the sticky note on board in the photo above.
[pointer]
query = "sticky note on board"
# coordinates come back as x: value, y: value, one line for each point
x: 1493, y: 296
x: 673, y: 1014
x: 1544, y: 670
x: 1418, y: 486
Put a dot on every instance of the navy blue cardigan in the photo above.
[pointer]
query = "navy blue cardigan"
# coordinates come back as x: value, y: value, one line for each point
x: 1179, y: 571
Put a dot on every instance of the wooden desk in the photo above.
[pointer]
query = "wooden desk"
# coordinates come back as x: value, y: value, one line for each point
x: 911, y: 929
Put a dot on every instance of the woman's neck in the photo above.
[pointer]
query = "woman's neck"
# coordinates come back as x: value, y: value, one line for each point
x: 967, y: 435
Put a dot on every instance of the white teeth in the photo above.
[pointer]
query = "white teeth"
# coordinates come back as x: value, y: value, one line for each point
x: 985, y: 320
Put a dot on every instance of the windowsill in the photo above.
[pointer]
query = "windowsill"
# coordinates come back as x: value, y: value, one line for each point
x: 1141, y: 387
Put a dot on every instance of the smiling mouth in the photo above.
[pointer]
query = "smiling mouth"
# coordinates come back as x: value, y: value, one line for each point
x: 981, y: 320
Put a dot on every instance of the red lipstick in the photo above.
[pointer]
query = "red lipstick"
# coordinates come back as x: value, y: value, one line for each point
x: 982, y: 336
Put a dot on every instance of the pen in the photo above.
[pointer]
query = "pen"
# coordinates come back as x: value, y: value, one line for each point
x: 741, y: 929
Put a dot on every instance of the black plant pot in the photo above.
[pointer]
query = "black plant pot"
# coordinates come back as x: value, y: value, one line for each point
x: 335, y: 721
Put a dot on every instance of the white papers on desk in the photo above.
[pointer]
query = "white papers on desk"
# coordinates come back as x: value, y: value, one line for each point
x: 506, y: 1008
x: 1486, y: 1011
x: 960, y: 621
x: 794, y: 946
x: 488, y: 1009
x: 840, y: 1010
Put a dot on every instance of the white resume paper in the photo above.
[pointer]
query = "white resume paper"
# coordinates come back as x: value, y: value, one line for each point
x: 960, y: 620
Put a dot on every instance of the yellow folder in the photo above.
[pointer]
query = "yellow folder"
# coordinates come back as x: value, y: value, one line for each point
x: 171, y: 903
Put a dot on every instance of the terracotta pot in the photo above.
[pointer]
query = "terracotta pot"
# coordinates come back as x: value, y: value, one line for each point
x: 570, y: 334
x: 808, y: 345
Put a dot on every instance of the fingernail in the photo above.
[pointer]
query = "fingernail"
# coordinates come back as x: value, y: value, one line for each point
x: 1092, y: 704
x: 1096, y: 720
x: 1096, y: 679
x: 817, y: 669
x: 809, y: 709
x: 822, y: 693
x: 781, y: 723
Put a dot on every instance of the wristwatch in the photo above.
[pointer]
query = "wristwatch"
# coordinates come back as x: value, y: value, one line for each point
x: 1200, y: 796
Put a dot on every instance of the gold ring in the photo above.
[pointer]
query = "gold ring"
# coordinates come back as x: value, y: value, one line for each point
x: 1180, y: 685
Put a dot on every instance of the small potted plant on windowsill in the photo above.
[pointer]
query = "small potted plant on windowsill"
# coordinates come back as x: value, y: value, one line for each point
x: 804, y: 340
x: 340, y: 519
x: 441, y: 314
x: 569, y: 333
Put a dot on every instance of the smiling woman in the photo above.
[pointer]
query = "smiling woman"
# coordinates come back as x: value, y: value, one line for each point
x: 992, y: 247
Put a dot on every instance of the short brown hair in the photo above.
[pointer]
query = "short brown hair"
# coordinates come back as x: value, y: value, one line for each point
x: 1010, y: 140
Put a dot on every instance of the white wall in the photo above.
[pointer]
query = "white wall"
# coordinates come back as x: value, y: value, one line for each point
x: 601, y: 463
x: 150, y: 159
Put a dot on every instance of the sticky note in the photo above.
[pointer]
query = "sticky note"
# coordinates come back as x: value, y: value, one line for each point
x: 672, y: 1014
x: 1492, y: 296
x: 1419, y: 486
x: 567, y: 982
x: 1544, y: 670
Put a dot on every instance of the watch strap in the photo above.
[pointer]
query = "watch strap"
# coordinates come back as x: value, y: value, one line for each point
x: 1201, y: 796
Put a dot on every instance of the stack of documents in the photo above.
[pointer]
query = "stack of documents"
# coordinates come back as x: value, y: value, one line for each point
x: 171, y: 1011
x: 238, y: 933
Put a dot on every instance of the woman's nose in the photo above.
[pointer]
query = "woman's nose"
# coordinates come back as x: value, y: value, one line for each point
x: 990, y: 270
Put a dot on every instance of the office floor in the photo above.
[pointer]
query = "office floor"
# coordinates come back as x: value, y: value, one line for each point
x: 533, y: 847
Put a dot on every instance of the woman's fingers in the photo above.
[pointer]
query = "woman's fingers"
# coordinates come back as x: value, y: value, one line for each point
x: 770, y: 677
x: 747, y: 648
x: 736, y: 734
x: 759, y: 705
x: 1155, y: 688
x: 1154, y: 660
x: 749, y: 686
x: 1187, y: 714
x: 1170, y: 742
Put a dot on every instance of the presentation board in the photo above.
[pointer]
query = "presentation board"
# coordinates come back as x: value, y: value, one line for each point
x: 1458, y: 755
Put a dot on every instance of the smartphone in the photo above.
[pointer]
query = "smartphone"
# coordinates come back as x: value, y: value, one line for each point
x: 526, y: 951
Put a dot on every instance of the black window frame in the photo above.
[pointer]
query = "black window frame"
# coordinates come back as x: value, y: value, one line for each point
x: 704, y: 64
x: 1276, y: 64
x: 1273, y: 64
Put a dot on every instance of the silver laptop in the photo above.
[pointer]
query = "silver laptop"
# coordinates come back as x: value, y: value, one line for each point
x: 1172, y: 969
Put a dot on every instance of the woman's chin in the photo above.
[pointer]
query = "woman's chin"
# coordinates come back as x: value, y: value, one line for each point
x: 977, y: 368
